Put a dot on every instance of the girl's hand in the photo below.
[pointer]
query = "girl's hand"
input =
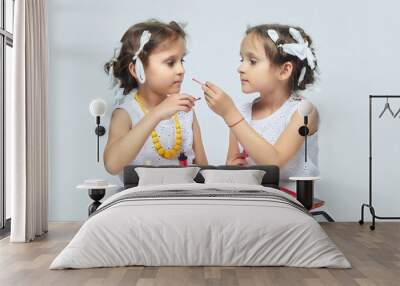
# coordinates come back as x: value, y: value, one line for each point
x: 173, y: 104
x: 217, y: 99
x: 237, y: 160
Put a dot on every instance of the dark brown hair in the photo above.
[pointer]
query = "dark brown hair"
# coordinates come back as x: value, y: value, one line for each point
x: 279, y: 57
x: 119, y: 65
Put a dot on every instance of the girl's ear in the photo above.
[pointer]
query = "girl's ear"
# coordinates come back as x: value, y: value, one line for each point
x: 285, y: 71
x: 132, y: 70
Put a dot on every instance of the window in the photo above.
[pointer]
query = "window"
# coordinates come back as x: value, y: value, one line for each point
x: 9, y: 19
x: 6, y: 45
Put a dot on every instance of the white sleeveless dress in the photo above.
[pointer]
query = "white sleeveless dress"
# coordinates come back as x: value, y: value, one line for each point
x: 271, y: 127
x: 166, y: 132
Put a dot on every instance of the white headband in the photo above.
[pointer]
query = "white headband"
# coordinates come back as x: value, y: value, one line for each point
x: 300, y: 49
x: 144, y: 39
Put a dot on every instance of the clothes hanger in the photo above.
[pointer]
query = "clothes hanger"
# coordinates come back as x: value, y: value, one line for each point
x: 397, y: 113
x: 387, y: 107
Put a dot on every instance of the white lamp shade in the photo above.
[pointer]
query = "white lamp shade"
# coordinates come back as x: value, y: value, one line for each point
x: 305, y: 107
x: 98, y: 107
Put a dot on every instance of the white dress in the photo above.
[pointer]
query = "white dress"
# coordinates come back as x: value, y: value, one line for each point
x: 271, y: 127
x: 166, y: 132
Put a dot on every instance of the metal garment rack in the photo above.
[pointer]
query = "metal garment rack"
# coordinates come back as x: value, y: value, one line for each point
x: 369, y: 205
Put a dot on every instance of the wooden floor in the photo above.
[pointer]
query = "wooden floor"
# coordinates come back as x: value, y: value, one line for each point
x: 374, y: 255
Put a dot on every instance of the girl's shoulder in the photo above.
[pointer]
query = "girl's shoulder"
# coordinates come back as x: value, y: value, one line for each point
x: 122, y: 100
x: 294, y: 101
x: 129, y: 105
x: 293, y: 106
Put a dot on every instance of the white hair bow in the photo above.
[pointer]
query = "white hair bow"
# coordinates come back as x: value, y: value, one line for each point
x: 301, y: 49
x: 144, y: 39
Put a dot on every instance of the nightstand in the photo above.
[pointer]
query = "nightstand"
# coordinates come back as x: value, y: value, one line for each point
x: 96, y: 193
x: 305, y: 190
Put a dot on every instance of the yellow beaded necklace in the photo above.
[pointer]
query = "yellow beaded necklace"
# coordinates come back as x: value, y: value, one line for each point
x: 165, y: 153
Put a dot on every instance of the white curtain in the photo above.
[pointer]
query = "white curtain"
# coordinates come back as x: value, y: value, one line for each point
x: 26, y: 123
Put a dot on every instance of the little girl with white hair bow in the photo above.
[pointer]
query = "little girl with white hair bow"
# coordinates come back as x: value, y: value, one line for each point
x: 156, y: 124
x: 277, y: 61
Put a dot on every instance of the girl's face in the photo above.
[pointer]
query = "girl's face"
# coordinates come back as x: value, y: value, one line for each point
x: 164, y: 70
x: 257, y: 73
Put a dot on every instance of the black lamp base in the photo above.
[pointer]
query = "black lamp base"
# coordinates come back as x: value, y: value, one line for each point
x: 305, y: 192
x: 96, y: 195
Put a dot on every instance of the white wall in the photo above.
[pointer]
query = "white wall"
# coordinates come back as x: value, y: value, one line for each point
x: 357, y: 47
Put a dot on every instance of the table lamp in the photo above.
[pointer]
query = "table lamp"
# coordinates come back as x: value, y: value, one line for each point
x: 305, y: 183
x: 97, y: 108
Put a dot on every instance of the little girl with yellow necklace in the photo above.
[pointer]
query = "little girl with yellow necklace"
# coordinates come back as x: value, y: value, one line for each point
x: 156, y: 123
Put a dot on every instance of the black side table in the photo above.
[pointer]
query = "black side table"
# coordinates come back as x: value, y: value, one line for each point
x: 305, y: 190
x: 305, y: 195
x: 96, y: 193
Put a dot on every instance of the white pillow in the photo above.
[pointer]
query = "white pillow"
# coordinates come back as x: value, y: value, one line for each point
x: 248, y: 177
x: 163, y: 176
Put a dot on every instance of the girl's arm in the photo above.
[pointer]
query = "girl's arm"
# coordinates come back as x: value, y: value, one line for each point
x: 233, y: 156
x: 264, y: 153
x: 124, y: 142
x: 198, y: 147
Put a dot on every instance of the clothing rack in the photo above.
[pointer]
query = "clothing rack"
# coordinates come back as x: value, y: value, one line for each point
x: 369, y: 205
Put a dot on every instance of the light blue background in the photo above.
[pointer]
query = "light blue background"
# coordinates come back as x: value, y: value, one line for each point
x: 357, y: 47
